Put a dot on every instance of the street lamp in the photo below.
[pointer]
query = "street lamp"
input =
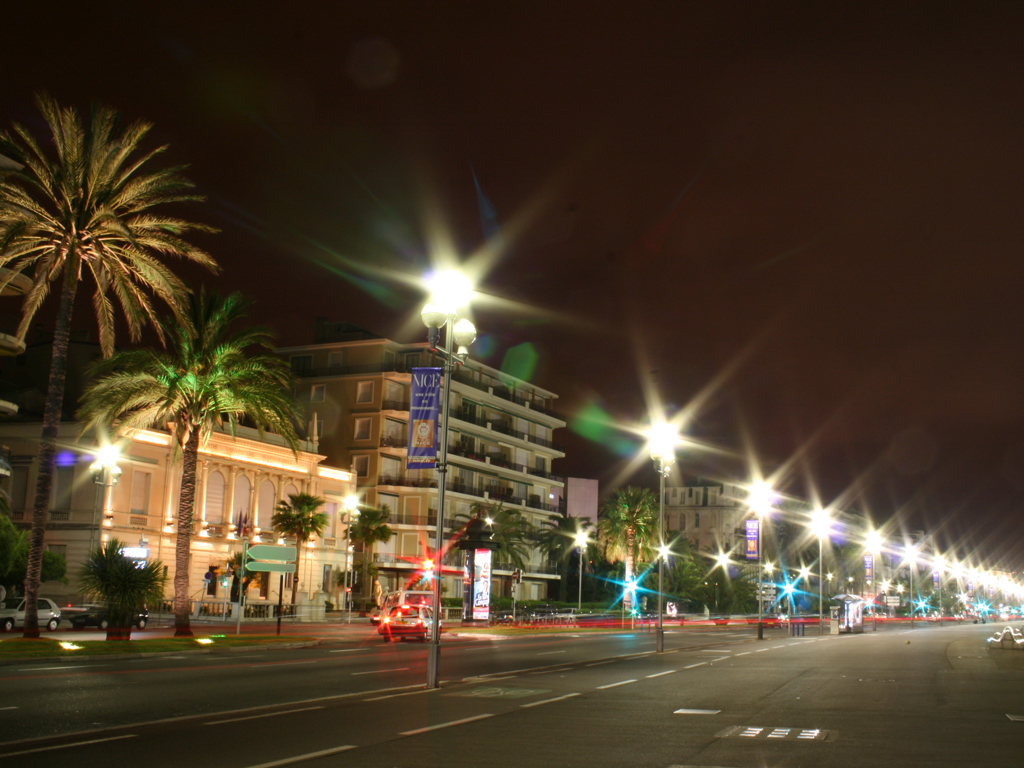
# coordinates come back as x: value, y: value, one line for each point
x: 581, y: 543
x: 662, y: 441
x: 761, y: 503
x: 351, y: 506
x: 449, y: 293
x: 874, y: 546
x: 820, y: 525
x: 912, y: 559
x: 105, y: 473
x: 940, y: 564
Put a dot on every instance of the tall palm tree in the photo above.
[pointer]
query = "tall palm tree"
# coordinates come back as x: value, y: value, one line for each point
x: 123, y: 588
x: 369, y: 528
x: 209, y: 375
x: 628, y: 524
x: 557, y: 539
x: 509, y: 529
x: 84, y: 211
x: 299, y: 519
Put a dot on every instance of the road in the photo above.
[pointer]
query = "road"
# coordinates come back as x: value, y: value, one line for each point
x: 901, y: 697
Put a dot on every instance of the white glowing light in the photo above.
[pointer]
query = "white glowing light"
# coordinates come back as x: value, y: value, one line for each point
x: 450, y: 291
x: 204, y: 640
x: 661, y: 441
x: 761, y: 496
x: 820, y: 523
x: 70, y: 647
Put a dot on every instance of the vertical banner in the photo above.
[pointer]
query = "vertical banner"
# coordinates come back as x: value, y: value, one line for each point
x: 991, y: 591
x: 752, y: 552
x: 935, y: 580
x: 869, y: 569
x: 424, y: 404
x: 482, y: 585
x: 970, y: 589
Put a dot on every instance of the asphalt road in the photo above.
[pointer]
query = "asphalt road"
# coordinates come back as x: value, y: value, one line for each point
x: 715, y: 698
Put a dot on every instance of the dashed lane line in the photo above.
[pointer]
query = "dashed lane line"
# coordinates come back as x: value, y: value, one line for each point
x: 381, y: 671
x: 256, y: 717
x: 701, y: 664
x: 615, y: 685
x: 303, y: 758
x: 659, y: 674
x: 408, y: 693
x: 67, y: 746
x: 438, y: 726
x: 548, y: 701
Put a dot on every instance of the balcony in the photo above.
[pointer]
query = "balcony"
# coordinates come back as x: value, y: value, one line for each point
x: 419, y: 520
x: 405, y: 482
x: 394, y: 405
x: 394, y: 441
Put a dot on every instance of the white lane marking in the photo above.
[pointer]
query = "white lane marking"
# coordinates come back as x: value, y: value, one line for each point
x: 283, y: 663
x: 615, y: 685
x: 548, y: 701
x: 381, y: 671
x: 444, y: 725
x: 714, y: 650
x: 762, y: 650
x: 4, y: 709
x: 697, y: 711
x: 720, y: 658
x: 307, y: 756
x: 256, y: 717
x: 550, y: 653
x: 659, y: 674
x: 1016, y: 718
x: 701, y: 664
x: 349, y: 650
x: 410, y: 693
x: 745, y: 653
x: 66, y: 746
x: 549, y: 671
x: 51, y: 669
x: 599, y: 663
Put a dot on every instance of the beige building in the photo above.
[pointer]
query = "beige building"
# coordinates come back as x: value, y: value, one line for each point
x: 241, y: 477
x: 355, y: 388
x: 709, y: 514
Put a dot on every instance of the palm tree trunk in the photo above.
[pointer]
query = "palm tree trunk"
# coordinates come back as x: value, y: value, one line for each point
x: 298, y: 559
x: 48, y: 445
x: 183, y: 539
x: 630, y: 543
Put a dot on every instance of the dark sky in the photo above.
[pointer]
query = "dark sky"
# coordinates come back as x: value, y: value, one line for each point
x: 808, y: 214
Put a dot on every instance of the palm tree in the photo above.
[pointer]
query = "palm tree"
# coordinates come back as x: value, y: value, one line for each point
x: 628, y: 524
x: 240, y: 579
x: 87, y: 213
x: 369, y: 527
x: 123, y: 588
x: 299, y: 519
x: 510, y: 530
x: 558, y: 541
x: 210, y: 375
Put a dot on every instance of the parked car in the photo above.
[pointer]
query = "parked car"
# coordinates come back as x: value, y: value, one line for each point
x: 96, y: 616
x: 12, y: 614
x: 407, y: 621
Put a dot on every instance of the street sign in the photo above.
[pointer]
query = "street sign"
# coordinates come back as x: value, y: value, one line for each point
x: 257, y: 566
x: 271, y: 552
x: 892, y: 600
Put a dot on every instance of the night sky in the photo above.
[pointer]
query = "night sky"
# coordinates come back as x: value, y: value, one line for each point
x: 805, y: 219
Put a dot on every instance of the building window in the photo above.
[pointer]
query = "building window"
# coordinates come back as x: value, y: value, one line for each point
x: 301, y: 364
x: 696, y: 520
x: 362, y: 429
x: 63, y: 483
x: 361, y: 465
x: 140, y: 492
x: 215, y: 498
x: 334, y: 359
x: 364, y: 392
x: 316, y: 393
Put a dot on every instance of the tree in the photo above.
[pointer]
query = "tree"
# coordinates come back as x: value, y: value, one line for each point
x: 509, y: 529
x: 299, y: 519
x: 209, y: 375
x: 121, y: 585
x: 239, y: 583
x: 85, y: 211
x: 369, y: 527
x: 557, y: 539
x: 628, y: 525
x: 14, y: 558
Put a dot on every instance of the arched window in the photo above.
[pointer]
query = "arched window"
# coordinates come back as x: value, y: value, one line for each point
x: 265, y: 504
x: 215, y: 498
x: 242, y: 487
x: 289, y: 490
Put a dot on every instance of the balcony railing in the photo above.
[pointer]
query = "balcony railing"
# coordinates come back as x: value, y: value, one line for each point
x: 394, y: 441
x: 406, y: 518
x: 406, y: 482
x: 395, y: 405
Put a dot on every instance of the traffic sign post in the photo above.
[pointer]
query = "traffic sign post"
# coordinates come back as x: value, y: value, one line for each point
x: 260, y: 554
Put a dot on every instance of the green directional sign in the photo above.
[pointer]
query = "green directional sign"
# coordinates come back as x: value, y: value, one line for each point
x: 257, y: 566
x: 271, y: 552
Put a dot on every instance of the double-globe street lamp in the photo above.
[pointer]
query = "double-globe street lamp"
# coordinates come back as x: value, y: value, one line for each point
x: 761, y: 502
x: 581, y: 545
x: 662, y: 440
x: 820, y: 526
x: 105, y: 473
x: 351, y: 506
x: 450, y: 293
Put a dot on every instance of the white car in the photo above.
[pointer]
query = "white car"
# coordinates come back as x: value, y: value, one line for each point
x: 12, y: 614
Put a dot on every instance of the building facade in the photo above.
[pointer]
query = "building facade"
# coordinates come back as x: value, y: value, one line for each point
x: 708, y: 514
x: 239, y: 479
x: 355, y: 387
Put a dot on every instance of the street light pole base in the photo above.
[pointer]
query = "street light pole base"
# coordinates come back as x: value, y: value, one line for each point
x: 434, y: 665
x: 659, y: 640
x: 760, y: 630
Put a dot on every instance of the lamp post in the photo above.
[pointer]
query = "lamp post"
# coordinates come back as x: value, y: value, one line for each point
x: 820, y: 524
x: 912, y: 559
x: 760, y: 502
x: 940, y: 564
x: 662, y: 442
x: 581, y: 543
x: 450, y: 292
x: 105, y: 473
x: 351, y: 505
x: 874, y: 546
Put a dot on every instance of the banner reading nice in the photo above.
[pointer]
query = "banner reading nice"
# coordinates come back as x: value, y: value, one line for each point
x: 424, y: 404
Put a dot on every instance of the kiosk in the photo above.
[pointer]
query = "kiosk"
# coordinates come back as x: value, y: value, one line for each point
x: 851, y: 613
